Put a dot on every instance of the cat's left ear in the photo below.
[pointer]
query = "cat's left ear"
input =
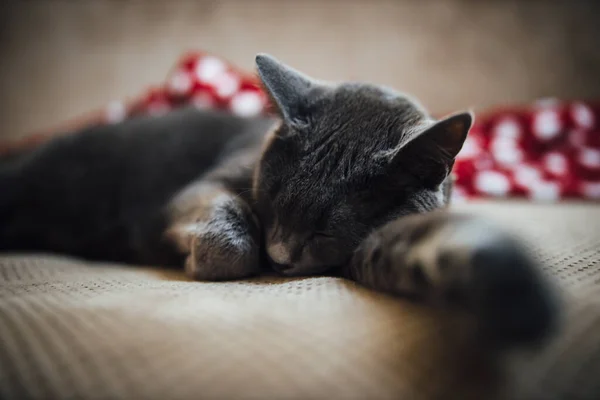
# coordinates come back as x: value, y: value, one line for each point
x: 430, y: 154
x: 291, y: 91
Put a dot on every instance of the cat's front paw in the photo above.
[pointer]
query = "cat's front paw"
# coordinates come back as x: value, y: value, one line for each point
x: 220, y: 237
x: 221, y: 255
x: 464, y: 261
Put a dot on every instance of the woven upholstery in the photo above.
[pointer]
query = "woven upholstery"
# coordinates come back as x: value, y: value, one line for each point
x: 70, y: 329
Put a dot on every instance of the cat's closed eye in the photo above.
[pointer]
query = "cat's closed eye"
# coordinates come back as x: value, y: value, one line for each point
x: 322, y: 235
x: 323, y: 241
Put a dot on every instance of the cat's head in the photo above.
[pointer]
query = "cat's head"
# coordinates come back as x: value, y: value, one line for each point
x: 345, y: 159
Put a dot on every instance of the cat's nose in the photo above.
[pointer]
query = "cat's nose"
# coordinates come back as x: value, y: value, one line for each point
x: 279, y: 256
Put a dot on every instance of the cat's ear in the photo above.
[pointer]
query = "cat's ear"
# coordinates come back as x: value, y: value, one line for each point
x: 290, y: 90
x: 430, y: 153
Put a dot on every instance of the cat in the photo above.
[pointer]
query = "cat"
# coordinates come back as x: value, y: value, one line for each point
x: 351, y: 179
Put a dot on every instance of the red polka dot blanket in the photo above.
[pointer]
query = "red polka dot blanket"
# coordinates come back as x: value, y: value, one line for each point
x: 547, y: 151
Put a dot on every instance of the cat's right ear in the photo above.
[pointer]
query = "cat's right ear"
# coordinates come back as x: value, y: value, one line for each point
x: 430, y: 153
x: 289, y: 89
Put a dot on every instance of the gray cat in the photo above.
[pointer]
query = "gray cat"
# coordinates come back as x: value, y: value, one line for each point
x: 352, y: 179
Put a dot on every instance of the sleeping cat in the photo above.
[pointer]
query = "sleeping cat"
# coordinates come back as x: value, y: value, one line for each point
x: 350, y: 179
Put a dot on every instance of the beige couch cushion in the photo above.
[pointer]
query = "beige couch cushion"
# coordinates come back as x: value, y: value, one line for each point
x: 70, y: 329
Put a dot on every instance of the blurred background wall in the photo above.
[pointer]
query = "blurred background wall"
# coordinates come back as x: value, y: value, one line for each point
x: 59, y: 58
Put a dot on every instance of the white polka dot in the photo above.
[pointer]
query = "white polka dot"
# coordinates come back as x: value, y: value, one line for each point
x: 470, y: 149
x: 247, y: 103
x: 509, y: 158
x: 526, y: 175
x: 504, y: 143
x: 180, y: 83
x: 506, y: 151
x: 492, y: 182
x: 208, y: 68
x: 508, y: 128
x: 546, y: 124
x: 582, y: 115
x: 590, y: 190
x: 226, y: 84
x: 116, y: 112
x: 556, y: 163
x: 544, y: 191
x: 589, y: 157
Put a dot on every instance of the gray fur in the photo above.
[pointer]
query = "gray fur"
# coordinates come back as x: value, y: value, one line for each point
x: 103, y: 193
x: 450, y: 260
x: 356, y: 157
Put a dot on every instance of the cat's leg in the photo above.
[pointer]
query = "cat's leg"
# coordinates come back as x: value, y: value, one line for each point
x: 457, y: 260
x: 216, y: 230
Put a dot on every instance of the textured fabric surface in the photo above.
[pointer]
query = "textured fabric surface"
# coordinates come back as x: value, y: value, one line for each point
x: 70, y: 329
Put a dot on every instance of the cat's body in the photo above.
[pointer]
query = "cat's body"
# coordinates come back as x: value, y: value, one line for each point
x: 347, y: 180
x: 102, y: 193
